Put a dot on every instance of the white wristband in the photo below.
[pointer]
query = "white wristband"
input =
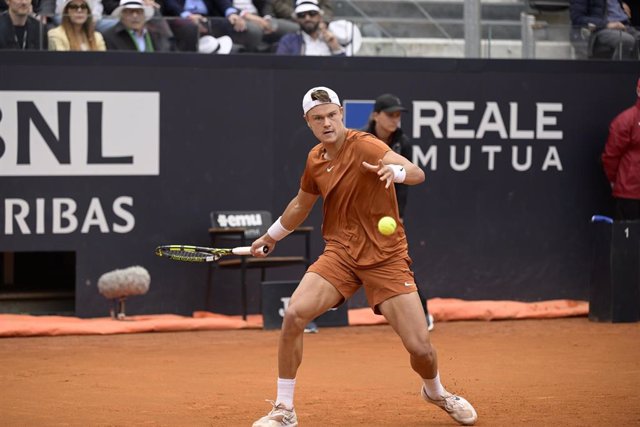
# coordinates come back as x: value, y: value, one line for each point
x: 277, y: 231
x: 399, y: 173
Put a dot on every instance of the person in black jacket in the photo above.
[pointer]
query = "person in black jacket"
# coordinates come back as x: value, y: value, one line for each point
x: 42, y: 10
x: 132, y: 33
x: 20, y: 31
x: 607, y: 27
x: 384, y: 124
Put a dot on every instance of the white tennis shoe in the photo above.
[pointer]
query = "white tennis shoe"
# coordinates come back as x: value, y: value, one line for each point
x: 457, y: 407
x: 280, y: 415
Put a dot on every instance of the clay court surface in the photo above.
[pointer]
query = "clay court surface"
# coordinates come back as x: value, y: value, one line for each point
x: 557, y: 372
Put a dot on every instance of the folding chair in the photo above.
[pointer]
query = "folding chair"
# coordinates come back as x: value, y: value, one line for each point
x: 241, y: 228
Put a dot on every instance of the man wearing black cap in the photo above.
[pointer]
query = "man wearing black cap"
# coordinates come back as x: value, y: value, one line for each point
x: 384, y: 123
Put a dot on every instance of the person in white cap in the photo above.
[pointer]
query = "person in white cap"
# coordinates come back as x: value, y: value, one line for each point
x: 76, y: 30
x: 313, y: 38
x: 354, y: 172
x: 284, y: 9
x: 96, y: 10
x: 131, y: 32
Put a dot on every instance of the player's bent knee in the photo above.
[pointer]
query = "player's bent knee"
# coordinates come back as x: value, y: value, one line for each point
x: 293, y: 320
x: 422, y: 351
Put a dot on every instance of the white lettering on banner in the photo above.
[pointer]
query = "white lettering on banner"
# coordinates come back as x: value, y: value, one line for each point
x: 492, y: 122
x: 543, y: 119
x: 491, y: 150
x: 64, y: 209
x: 514, y: 132
x: 454, y: 117
x: 64, y: 220
x: 458, y: 120
x: 52, y: 133
x: 239, y: 220
x: 430, y: 115
x: 453, y: 156
x: 430, y: 158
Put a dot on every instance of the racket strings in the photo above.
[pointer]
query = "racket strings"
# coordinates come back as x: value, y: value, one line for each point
x: 191, y: 253
x: 188, y: 255
x: 194, y: 256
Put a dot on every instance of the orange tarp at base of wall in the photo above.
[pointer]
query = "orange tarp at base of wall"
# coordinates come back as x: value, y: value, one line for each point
x: 443, y: 309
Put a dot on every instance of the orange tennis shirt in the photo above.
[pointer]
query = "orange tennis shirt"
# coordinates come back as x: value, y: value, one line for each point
x: 354, y: 199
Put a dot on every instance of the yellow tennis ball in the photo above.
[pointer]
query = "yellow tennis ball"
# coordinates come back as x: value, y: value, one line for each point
x: 387, y: 225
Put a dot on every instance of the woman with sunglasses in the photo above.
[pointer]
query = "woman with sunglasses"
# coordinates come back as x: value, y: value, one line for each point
x: 77, y: 30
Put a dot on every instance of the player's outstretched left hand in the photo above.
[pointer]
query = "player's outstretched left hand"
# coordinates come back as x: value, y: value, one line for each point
x: 384, y: 172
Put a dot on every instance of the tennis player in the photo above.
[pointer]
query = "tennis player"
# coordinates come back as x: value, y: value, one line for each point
x: 354, y: 173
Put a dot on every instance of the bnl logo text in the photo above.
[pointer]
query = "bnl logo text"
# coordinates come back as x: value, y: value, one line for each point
x: 79, y: 133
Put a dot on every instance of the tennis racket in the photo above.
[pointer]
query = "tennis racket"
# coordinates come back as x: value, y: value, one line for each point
x: 190, y: 253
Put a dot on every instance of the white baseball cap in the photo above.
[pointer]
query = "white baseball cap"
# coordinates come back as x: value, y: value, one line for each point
x: 306, y: 6
x: 309, y: 101
x: 348, y: 35
x: 220, y: 45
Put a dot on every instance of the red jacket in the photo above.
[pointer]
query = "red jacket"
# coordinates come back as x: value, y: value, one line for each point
x: 621, y: 156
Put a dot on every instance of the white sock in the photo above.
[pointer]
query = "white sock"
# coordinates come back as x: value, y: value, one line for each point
x: 434, y: 387
x: 286, y: 387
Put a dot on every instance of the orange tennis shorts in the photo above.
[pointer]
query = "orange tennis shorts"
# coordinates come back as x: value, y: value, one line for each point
x: 380, y: 282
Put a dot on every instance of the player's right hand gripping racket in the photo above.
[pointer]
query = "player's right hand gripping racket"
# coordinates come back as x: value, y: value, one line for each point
x: 190, y: 253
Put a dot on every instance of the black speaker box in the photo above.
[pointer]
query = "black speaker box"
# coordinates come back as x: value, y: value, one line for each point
x: 615, y: 273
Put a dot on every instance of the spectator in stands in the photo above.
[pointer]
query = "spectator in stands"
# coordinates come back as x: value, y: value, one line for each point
x: 606, y: 24
x: 384, y: 123
x: 217, y: 18
x: 43, y: 10
x: 101, y: 23
x: 284, y: 9
x: 132, y: 33
x: 181, y: 33
x: 76, y: 32
x: 313, y: 38
x: 262, y: 24
x: 621, y: 161
x: 19, y: 30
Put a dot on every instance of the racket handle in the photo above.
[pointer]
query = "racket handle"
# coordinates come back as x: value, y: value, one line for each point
x: 246, y: 250
x: 601, y: 218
